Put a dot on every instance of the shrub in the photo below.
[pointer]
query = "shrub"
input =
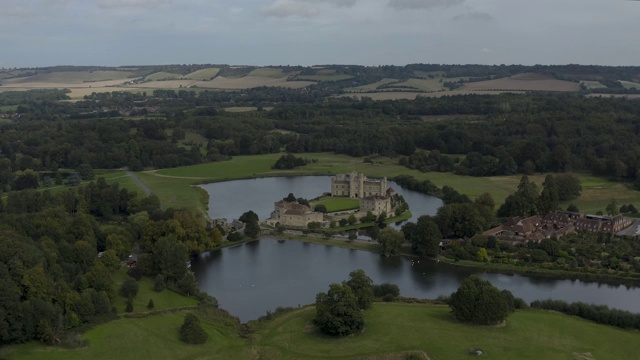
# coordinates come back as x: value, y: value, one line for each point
x: 385, y: 289
x: 129, y: 307
x: 129, y: 287
x: 477, y: 301
x: 150, y: 305
x: 191, y: 331
x: 159, y: 283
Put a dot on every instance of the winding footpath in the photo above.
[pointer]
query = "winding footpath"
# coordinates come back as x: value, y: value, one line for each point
x: 142, y: 185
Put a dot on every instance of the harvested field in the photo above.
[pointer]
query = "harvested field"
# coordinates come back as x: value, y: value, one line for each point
x: 203, y: 75
x: 523, y: 82
x: 71, y: 77
x: 248, y: 82
x: 222, y: 82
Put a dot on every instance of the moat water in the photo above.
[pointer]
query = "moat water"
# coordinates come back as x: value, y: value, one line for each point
x: 251, y: 279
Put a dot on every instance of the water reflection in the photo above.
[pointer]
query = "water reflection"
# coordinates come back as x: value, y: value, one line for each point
x: 250, y: 279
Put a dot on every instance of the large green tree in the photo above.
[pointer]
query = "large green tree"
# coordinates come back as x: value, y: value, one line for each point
x: 477, y: 301
x: 362, y: 287
x: 337, y: 311
x: 390, y: 241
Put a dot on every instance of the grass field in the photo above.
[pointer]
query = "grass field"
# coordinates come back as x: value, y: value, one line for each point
x: 592, y: 84
x: 328, y: 77
x: 334, y: 204
x: 268, y: 72
x: 173, y: 185
x: 166, y: 299
x: 162, y: 75
x: 391, y: 329
x: 10, y: 108
x: 395, y: 328
x: 373, y: 86
x: 203, y: 74
x: 629, y: 85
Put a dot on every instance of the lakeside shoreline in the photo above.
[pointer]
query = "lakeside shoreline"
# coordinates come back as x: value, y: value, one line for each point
x: 373, y: 247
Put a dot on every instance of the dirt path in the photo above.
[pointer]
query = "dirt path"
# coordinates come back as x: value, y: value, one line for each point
x: 142, y: 185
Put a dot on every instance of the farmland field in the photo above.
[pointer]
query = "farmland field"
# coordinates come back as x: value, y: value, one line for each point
x: 268, y: 72
x: 524, y: 82
x: 592, y: 84
x: 160, y: 76
x: 630, y: 85
x: 203, y: 74
x: 373, y: 86
x: 72, y: 77
x: 333, y: 77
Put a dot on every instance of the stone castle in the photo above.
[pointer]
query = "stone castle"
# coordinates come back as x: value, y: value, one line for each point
x: 356, y: 185
x: 372, y: 194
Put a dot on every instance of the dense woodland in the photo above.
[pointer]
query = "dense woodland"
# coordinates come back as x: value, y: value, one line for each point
x: 52, y: 278
x: 496, y: 135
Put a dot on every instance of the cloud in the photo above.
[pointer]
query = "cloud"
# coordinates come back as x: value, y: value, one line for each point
x: 422, y: 4
x: 287, y: 8
x: 340, y: 3
x: 473, y: 16
x: 114, y: 4
x: 485, y: 50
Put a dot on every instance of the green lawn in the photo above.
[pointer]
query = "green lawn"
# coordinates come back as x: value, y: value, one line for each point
x: 394, y: 328
x: 173, y: 185
x: 337, y: 203
x: 166, y: 299
x: 391, y: 328
x: 153, y: 338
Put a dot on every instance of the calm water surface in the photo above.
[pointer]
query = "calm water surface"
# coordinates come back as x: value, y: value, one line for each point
x: 251, y: 279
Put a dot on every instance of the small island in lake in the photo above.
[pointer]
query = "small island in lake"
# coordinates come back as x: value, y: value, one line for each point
x: 352, y: 196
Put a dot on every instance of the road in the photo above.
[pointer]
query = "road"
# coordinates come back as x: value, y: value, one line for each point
x: 142, y: 185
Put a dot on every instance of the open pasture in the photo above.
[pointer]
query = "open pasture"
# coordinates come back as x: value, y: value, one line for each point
x: 173, y: 186
x: 162, y: 75
x: 372, y: 86
x: 268, y: 72
x: 203, y: 74
x: 630, y: 85
x: 524, y: 82
x: 394, y: 328
x: 392, y: 331
x: 592, y: 84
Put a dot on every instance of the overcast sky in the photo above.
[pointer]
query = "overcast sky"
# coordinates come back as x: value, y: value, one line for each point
x: 308, y: 32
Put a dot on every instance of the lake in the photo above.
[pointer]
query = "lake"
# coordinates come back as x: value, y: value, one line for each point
x: 251, y: 279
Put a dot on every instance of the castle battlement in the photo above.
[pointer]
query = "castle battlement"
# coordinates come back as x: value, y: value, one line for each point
x: 356, y: 185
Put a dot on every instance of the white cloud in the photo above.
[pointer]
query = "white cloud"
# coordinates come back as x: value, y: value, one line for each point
x: 114, y: 4
x: 473, y: 16
x: 340, y: 3
x: 287, y: 8
x: 422, y: 4
x: 485, y: 50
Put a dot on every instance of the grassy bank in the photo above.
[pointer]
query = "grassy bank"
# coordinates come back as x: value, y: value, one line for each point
x: 174, y: 186
x: 395, y: 328
x: 391, y: 328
